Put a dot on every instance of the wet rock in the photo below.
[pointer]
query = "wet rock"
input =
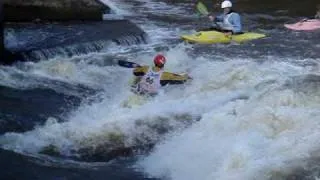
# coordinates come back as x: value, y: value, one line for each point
x: 56, y: 10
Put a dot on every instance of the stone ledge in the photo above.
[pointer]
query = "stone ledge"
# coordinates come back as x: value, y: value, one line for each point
x: 57, y: 10
x: 38, y: 13
x: 55, y: 3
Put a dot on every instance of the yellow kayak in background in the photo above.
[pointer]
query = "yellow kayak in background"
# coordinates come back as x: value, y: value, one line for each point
x: 211, y: 37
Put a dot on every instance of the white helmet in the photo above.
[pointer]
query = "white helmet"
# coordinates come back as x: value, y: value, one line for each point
x: 226, y: 4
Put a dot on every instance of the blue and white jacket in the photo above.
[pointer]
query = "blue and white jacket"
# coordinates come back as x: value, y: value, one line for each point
x: 230, y: 21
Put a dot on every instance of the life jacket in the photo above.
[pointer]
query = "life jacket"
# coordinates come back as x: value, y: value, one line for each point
x: 150, y: 82
x: 227, y: 21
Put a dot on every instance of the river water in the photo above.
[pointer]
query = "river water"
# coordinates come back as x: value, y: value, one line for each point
x: 252, y: 110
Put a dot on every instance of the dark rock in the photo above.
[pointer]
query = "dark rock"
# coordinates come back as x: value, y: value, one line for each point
x: 57, y: 10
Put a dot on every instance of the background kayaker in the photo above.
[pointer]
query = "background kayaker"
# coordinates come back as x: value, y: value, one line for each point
x: 229, y: 21
x: 148, y: 80
x: 317, y: 16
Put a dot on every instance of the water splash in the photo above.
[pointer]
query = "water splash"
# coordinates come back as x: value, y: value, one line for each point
x: 114, y: 6
x: 247, y: 138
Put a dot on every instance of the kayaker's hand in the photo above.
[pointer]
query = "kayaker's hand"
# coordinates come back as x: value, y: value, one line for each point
x: 211, y: 18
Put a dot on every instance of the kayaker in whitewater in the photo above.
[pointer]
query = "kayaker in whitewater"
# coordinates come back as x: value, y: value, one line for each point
x: 148, y: 80
x: 229, y: 21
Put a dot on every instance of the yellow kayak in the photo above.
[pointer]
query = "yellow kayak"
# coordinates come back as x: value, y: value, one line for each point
x: 211, y: 37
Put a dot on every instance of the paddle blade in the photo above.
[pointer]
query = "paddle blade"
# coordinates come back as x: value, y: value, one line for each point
x: 127, y: 64
x: 202, y: 9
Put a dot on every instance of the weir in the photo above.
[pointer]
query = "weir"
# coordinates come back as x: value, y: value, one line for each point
x: 43, y: 29
x: 69, y: 39
x: 1, y: 32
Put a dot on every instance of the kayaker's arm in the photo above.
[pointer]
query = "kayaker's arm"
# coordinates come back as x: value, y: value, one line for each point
x: 171, y: 78
x: 138, y: 72
x: 219, y: 18
x: 317, y: 16
x: 236, y: 22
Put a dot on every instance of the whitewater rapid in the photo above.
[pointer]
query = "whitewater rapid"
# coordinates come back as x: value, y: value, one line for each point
x: 271, y: 132
x: 247, y: 118
x: 256, y: 120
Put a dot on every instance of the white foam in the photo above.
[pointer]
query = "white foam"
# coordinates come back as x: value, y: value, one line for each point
x: 243, y: 139
x: 74, y: 71
x: 218, y: 92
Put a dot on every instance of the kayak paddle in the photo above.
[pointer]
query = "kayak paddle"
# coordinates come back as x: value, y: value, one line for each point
x: 202, y: 9
x: 127, y: 64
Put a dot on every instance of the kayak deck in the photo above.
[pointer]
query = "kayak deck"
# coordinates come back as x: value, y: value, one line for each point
x: 211, y: 37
